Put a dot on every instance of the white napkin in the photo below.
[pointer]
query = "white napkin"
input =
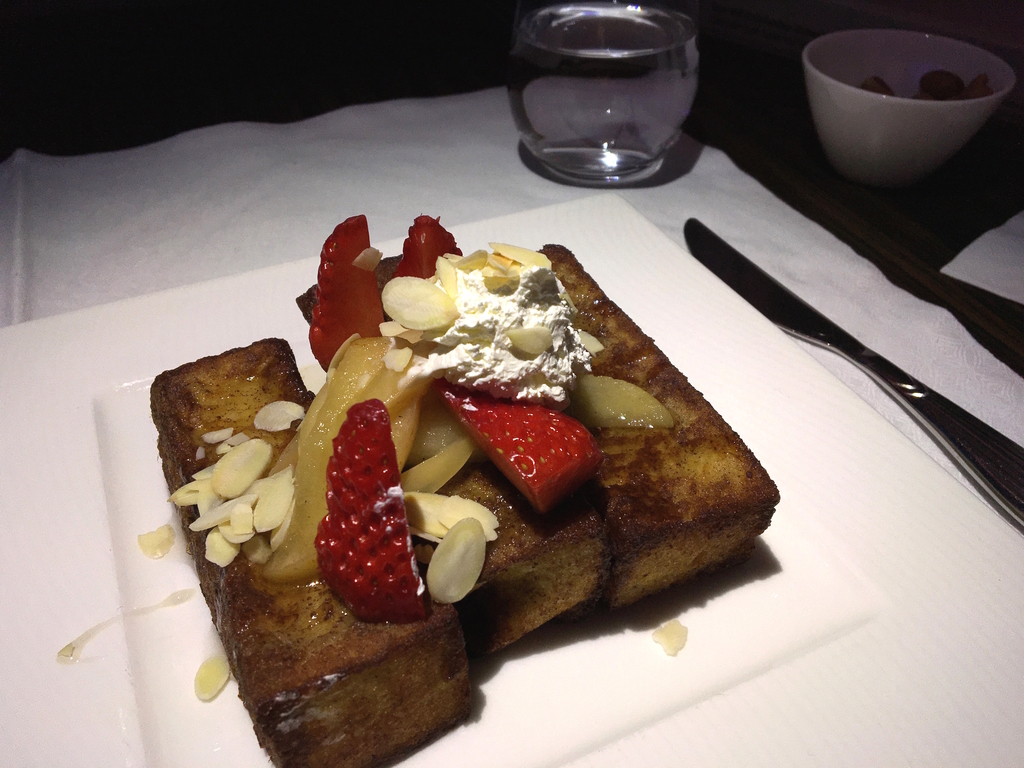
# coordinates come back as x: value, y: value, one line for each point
x: 995, y: 261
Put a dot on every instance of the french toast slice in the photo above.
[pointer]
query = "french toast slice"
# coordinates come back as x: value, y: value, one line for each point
x: 322, y: 688
x: 676, y: 502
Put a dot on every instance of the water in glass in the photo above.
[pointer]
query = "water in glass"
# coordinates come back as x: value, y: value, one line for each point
x: 599, y: 90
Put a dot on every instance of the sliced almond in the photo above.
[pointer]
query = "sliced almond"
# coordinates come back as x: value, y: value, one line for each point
x: 208, y: 501
x: 219, y: 550
x: 218, y: 435
x: 433, y: 514
x: 502, y: 284
x: 241, y: 521
x: 499, y: 262
x: 221, y: 513
x: 568, y: 300
x: 204, y: 474
x: 190, y: 493
x: 591, y: 343
x: 475, y: 260
x: 200, y: 453
x: 418, y: 304
x: 488, y: 270
x: 278, y: 416
x: 158, y: 543
x: 429, y: 475
x: 368, y: 259
x: 458, y: 509
x: 397, y: 359
x: 243, y: 532
x: 422, y: 510
x: 411, y: 336
x: 275, y: 500
x: 233, y: 537
x: 457, y: 562
x: 199, y: 493
x: 231, y: 442
x: 259, y: 487
x: 391, y: 328
x: 524, y: 256
x: 211, y: 678
x: 533, y: 340
x: 671, y: 636
x: 447, y: 276
x: 240, y: 467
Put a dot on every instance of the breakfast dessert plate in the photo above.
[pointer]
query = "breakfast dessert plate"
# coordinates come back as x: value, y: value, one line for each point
x: 878, y: 620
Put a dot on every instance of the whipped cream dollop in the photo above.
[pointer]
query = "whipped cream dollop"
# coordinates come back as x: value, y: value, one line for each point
x: 476, y: 351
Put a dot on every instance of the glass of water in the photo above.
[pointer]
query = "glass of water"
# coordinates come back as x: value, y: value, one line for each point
x: 600, y: 88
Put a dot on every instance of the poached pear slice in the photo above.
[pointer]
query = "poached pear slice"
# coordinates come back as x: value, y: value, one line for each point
x: 360, y: 375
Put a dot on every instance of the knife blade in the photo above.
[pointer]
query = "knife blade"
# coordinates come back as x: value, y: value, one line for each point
x: 993, y: 462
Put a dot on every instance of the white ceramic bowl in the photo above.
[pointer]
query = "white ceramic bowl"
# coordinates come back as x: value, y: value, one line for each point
x: 893, y: 141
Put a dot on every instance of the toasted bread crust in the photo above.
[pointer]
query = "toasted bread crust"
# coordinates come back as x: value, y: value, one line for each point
x: 322, y: 688
x: 675, y: 501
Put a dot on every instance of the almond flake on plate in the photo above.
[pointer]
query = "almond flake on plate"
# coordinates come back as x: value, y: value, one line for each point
x: 211, y: 677
x: 671, y: 636
x: 158, y: 543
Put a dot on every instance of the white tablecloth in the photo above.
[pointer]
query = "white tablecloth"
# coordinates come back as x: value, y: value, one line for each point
x: 995, y: 261
x: 80, y: 231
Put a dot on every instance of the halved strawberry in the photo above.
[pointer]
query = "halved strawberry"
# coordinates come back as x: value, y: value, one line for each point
x: 363, y: 546
x: 347, y: 300
x: 427, y: 240
x: 544, y: 453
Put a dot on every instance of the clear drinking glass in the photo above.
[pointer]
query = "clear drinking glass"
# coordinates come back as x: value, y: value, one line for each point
x: 600, y: 88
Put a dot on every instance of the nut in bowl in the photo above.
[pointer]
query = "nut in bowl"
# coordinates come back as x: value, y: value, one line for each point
x: 894, y: 140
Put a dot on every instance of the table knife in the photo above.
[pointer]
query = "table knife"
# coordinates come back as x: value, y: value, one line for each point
x: 993, y: 462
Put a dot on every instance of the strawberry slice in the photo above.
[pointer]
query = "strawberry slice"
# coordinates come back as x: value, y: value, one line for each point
x: 347, y: 300
x: 363, y: 546
x: 427, y: 240
x: 544, y: 453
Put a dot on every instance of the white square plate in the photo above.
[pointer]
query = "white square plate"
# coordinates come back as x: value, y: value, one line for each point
x: 879, y: 621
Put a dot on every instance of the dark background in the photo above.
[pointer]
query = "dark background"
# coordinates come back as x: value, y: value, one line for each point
x: 86, y: 79
x: 81, y: 76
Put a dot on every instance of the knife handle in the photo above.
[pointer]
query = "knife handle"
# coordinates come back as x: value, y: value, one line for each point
x: 993, y: 461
